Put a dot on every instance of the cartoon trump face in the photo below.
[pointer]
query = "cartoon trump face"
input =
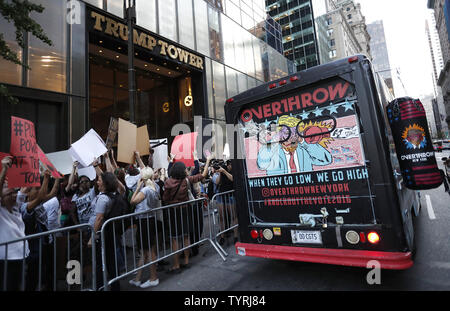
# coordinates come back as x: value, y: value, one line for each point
x: 414, y: 137
x: 295, y: 153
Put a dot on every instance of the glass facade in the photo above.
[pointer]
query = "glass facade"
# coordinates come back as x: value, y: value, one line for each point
x: 48, y: 63
x: 298, y: 31
x: 223, y: 32
x: 10, y: 73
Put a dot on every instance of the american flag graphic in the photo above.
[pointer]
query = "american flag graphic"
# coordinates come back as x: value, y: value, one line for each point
x: 411, y: 109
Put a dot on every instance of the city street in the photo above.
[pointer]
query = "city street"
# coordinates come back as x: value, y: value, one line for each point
x: 431, y: 270
x: 304, y: 122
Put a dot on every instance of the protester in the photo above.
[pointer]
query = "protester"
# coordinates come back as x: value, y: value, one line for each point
x: 36, y: 219
x: 180, y: 218
x: 83, y: 199
x: 12, y: 227
x: 108, y: 186
x: 133, y: 173
x: 67, y: 190
x: 146, y: 197
x: 227, y: 209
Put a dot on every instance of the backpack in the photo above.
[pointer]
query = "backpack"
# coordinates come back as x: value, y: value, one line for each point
x: 118, y: 206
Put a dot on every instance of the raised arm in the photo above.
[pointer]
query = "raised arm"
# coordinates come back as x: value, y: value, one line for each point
x: 41, y: 194
x: 72, y: 176
x: 98, y: 170
x: 109, y: 166
x: 139, y: 160
x: 54, y: 190
x: 6, y: 164
x: 113, y: 160
x: 138, y: 196
x: 205, y: 169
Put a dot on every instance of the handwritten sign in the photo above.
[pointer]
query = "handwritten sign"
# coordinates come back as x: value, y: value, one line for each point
x: 131, y: 139
x: 160, y: 153
x: 25, y: 169
x: 112, y: 132
x: 183, y: 147
x: 47, y: 164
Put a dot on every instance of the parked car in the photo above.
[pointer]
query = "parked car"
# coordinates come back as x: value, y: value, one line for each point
x: 437, y: 145
x: 446, y: 144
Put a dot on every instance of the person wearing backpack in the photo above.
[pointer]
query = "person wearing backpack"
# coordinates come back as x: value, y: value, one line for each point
x: 177, y: 189
x: 107, y: 204
x: 145, y: 198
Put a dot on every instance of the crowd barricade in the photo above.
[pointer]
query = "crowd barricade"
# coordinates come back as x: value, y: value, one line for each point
x: 76, y: 259
x: 160, y: 231
x: 226, y: 217
x: 57, y: 260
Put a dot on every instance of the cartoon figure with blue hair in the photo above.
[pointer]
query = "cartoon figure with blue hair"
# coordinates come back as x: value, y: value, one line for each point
x: 296, y: 154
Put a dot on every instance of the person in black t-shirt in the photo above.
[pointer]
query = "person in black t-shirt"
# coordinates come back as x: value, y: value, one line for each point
x: 226, y: 206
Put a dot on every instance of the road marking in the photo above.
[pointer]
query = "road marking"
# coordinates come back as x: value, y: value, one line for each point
x: 430, y: 207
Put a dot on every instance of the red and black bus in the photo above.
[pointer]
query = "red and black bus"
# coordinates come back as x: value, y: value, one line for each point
x: 315, y: 171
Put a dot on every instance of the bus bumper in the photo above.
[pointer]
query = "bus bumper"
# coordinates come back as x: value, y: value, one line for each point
x: 343, y: 257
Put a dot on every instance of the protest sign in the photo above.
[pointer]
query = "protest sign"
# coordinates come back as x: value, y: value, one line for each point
x: 47, y: 163
x: 160, y: 153
x: 183, y: 147
x: 112, y: 132
x: 88, y: 148
x: 87, y: 171
x: 25, y: 169
x: 126, y: 145
x: 62, y: 161
x: 131, y: 139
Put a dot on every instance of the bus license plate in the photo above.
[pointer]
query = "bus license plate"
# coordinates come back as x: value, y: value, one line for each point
x: 306, y: 237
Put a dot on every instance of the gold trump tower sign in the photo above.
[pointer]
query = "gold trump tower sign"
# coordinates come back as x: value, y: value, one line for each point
x: 111, y: 27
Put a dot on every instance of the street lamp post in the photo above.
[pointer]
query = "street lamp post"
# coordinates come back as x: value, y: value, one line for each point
x: 130, y: 17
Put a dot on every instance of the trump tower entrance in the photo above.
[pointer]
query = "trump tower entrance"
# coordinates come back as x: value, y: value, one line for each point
x: 169, y: 78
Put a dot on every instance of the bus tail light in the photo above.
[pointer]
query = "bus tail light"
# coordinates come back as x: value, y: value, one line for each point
x: 353, y: 59
x: 254, y: 234
x: 373, y: 237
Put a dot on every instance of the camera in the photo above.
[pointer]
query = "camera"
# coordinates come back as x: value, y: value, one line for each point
x: 217, y: 164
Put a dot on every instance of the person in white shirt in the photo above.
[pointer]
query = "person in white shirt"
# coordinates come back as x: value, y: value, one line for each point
x: 12, y: 228
x: 146, y: 198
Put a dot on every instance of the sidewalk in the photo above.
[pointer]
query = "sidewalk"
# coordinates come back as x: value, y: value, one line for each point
x: 208, y: 272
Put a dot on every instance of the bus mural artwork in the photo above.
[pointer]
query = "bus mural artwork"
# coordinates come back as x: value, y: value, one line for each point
x: 306, y: 159
x: 319, y: 181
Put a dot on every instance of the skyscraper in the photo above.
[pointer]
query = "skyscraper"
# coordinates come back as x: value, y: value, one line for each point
x: 379, y: 51
x: 356, y: 20
x: 442, y: 14
x: 437, y: 64
x: 298, y: 31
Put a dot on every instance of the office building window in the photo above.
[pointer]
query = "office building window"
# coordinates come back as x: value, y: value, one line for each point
x: 48, y: 63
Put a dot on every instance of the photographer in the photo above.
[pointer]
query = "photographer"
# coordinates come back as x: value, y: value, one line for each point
x: 226, y: 206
